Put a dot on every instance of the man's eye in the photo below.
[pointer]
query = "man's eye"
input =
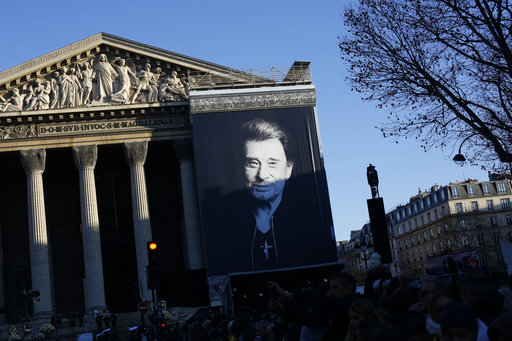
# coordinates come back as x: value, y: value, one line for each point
x: 251, y: 163
x: 273, y: 164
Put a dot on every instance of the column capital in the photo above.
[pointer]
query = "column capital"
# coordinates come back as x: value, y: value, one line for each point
x: 135, y: 152
x: 85, y: 156
x: 33, y: 160
x: 183, y: 149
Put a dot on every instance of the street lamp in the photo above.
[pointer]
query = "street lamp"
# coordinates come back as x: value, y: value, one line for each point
x: 363, y: 255
x: 459, y: 158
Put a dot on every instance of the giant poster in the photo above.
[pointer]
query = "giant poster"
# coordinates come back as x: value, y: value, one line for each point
x: 262, y: 190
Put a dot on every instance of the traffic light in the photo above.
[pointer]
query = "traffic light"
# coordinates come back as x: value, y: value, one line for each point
x: 153, y: 272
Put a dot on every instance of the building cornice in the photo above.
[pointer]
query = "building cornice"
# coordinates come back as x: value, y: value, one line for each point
x: 252, y: 99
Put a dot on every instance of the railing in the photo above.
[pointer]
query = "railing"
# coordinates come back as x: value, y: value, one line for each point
x: 299, y: 73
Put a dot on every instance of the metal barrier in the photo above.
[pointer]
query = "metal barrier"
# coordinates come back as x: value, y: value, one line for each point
x: 299, y: 73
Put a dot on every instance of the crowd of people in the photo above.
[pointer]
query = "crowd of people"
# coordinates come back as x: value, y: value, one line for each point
x: 473, y: 307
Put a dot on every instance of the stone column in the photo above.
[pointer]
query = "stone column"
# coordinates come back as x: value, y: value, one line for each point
x: 33, y: 161
x: 135, y: 153
x: 193, y: 238
x: 85, y: 160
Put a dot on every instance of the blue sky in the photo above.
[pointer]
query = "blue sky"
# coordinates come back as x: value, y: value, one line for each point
x: 243, y: 34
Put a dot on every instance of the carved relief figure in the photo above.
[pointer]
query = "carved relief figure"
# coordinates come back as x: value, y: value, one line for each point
x: 41, y: 97
x: 27, y: 97
x: 55, y: 90
x: 70, y: 89
x: 98, y: 82
x: 86, y: 79
x: 145, y: 76
x: 103, y: 75
x: 15, y: 103
x: 173, y: 89
x: 187, y: 82
x: 125, y: 81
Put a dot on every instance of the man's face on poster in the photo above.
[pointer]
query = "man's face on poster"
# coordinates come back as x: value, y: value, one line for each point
x: 266, y: 168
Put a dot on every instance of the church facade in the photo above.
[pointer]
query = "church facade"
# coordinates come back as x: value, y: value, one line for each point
x: 97, y: 150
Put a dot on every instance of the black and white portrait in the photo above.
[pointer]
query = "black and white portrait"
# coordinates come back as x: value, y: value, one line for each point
x: 262, y: 190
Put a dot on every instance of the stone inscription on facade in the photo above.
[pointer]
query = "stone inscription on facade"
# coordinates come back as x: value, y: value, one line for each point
x: 60, y: 129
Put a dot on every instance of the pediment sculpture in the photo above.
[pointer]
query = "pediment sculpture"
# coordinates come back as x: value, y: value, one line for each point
x: 98, y: 81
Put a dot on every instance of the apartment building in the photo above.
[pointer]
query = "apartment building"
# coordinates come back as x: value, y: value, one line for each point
x: 464, y: 220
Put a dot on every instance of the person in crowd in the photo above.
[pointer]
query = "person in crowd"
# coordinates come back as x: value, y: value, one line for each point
x: 409, y: 322
x: 329, y: 310
x: 482, y: 296
x: 429, y: 288
x: 367, y: 322
x: 261, y: 329
x: 459, y: 323
x: 435, y: 308
x: 501, y: 328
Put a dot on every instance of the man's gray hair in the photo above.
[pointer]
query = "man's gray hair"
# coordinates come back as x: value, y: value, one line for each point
x: 259, y: 129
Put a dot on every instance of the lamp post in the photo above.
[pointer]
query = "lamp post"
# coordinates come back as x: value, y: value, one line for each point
x: 363, y: 255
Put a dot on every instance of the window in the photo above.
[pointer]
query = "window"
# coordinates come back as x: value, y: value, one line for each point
x: 431, y: 233
x: 481, y: 240
x: 441, y: 245
x: 399, y: 230
x: 426, y: 251
x: 438, y: 230
x: 442, y: 210
x: 494, y: 222
x: 421, y: 253
x: 464, y: 240
x: 474, y: 205
x: 435, y: 214
x: 409, y: 225
x: 501, y: 187
x: 412, y: 240
x: 508, y: 219
x: 419, y: 238
x: 458, y: 207
x: 428, y: 201
x: 487, y: 188
x: 442, y: 195
x: 408, y: 210
x: 505, y: 203
x: 490, y: 205
x: 455, y: 192
x: 397, y: 215
x: 448, y: 242
x: 445, y: 227
x: 424, y: 235
x: 434, y: 248
x: 422, y: 220
x: 478, y: 223
x: 406, y: 242
x: 415, y: 222
x: 428, y: 217
x: 471, y: 190
x: 496, y: 238
x: 403, y: 227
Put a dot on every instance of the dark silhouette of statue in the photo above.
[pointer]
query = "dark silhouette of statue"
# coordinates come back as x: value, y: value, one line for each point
x: 373, y: 180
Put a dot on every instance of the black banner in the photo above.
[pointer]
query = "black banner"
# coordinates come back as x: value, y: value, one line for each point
x: 262, y: 190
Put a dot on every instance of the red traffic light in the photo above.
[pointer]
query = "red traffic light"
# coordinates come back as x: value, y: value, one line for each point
x: 152, y: 245
x: 162, y: 325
